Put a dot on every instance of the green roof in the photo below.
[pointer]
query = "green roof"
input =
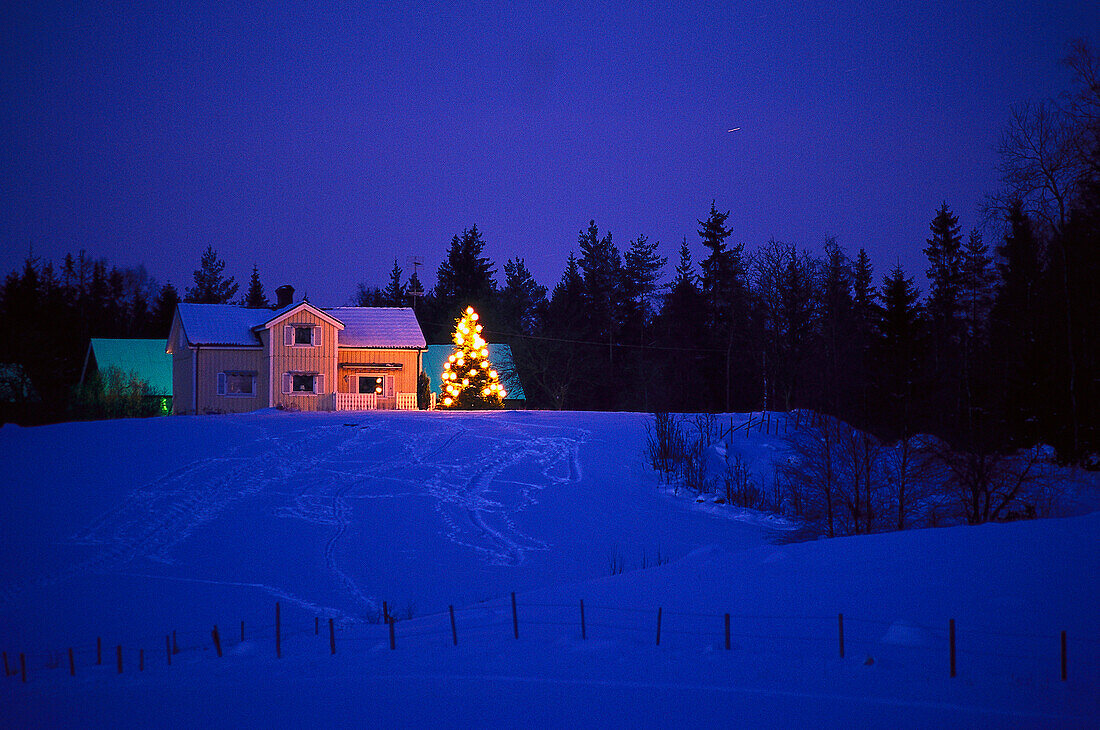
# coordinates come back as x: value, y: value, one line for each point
x: 500, y: 355
x: 147, y: 358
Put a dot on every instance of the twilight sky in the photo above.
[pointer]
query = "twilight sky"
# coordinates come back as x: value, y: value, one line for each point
x: 322, y: 141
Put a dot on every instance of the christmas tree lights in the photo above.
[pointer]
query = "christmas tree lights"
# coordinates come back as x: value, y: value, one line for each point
x: 469, y: 380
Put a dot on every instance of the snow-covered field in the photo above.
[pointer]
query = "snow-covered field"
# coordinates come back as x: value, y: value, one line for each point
x: 128, y: 530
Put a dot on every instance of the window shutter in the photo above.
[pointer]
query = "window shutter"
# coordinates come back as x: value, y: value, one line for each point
x: 288, y: 335
x: 389, y: 386
x: 221, y: 383
x: 288, y: 382
x: 318, y: 383
x: 317, y: 335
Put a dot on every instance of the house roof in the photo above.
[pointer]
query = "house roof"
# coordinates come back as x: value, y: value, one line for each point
x: 221, y: 324
x: 146, y: 358
x: 230, y: 325
x: 379, y: 327
x: 293, y: 308
x: 500, y: 355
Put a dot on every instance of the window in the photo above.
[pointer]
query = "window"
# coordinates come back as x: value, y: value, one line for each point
x: 303, y: 383
x: 237, y: 384
x: 302, y: 335
x: 380, y: 385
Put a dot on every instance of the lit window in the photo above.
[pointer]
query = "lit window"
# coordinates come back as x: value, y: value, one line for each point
x: 302, y: 383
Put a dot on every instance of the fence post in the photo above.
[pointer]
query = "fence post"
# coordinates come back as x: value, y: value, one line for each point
x: 72, y: 664
x: 1063, y: 656
x: 583, y: 634
x: 515, y: 616
x: 393, y: 638
x: 727, y: 632
x: 331, y: 637
x: 385, y: 612
x: 23, y: 666
x: 454, y: 630
x: 98, y: 650
x: 840, y: 632
x: 951, y: 640
x: 278, y: 632
x: 242, y: 632
x: 217, y: 640
x: 118, y: 651
x: 658, y: 626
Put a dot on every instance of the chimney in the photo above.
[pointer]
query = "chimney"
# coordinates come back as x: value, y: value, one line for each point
x: 284, y: 296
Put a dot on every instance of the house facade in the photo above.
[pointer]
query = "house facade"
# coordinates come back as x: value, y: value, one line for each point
x: 229, y: 359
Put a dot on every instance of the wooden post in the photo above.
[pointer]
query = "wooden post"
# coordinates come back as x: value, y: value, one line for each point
x: 515, y: 616
x: 454, y: 630
x: 331, y: 637
x: 217, y: 640
x: 1063, y: 656
x: 168, y: 648
x: 141, y: 660
x: 72, y: 663
x: 118, y: 651
x: 658, y: 626
x: 98, y: 650
x: 840, y: 632
x: 278, y: 632
x: 583, y: 635
x: 393, y: 638
x: 23, y: 666
x: 727, y: 632
x: 385, y: 612
x: 951, y: 640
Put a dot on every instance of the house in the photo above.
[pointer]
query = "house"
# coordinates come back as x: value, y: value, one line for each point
x: 145, y: 359
x: 500, y: 355
x: 229, y: 359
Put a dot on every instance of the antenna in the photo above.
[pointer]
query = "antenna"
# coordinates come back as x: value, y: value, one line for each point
x: 414, y: 262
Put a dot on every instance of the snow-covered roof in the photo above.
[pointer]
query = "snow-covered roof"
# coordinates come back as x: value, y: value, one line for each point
x: 379, y: 327
x: 221, y: 324
x: 233, y: 326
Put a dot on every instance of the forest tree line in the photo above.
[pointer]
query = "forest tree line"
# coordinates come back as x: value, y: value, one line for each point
x: 997, y: 352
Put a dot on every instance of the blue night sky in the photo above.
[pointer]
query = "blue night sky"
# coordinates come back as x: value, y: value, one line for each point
x: 321, y: 143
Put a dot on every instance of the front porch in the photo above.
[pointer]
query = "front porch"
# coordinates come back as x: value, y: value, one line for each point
x: 373, y: 402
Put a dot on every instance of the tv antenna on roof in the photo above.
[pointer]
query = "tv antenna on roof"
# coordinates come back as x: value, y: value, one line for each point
x: 415, y: 262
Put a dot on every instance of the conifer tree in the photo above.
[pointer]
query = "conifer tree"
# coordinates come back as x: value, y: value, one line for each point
x: 210, y: 286
x: 394, y: 293
x: 468, y: 379
x: 255, y: 298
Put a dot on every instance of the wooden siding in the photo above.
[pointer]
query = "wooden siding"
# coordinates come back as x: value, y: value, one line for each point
x: 404, y: 380
x: 214, y: 361
x: 306, y: 359
x: 182, y: 381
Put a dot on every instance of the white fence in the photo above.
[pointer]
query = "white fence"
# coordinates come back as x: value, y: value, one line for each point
x: 372, y: 401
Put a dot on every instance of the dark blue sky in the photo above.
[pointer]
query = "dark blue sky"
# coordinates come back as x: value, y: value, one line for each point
x: 322, y: 142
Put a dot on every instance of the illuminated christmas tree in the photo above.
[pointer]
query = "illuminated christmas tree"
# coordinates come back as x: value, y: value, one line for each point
x: 469, y: 380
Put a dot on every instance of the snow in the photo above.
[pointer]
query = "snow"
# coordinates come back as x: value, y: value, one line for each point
x: 128, y: 530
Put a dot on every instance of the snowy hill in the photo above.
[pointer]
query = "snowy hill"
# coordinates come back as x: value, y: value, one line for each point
x: 128, y: 530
